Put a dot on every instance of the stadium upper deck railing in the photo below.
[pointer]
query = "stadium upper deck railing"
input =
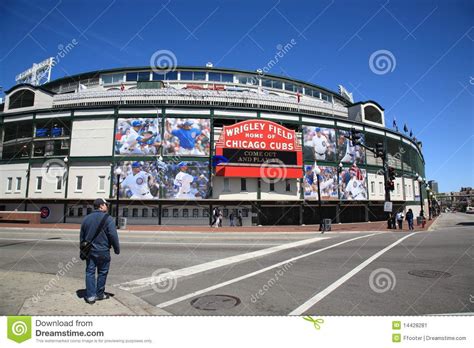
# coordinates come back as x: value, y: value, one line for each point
x: 174, y: 97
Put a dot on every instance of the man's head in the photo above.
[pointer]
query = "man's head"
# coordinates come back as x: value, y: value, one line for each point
x: 101, y: 204
x: 318, y: 132
x: 188, y: 124
x: 183, y: 166
x: 308, y: 169
x: 136, y: 167
x: 136, y: 124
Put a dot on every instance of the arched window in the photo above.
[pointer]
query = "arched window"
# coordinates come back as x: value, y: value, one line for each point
x: 22, y: 99
x: 373, y: 114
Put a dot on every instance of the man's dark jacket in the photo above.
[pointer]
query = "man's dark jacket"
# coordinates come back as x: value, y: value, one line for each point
x: 106, y: 239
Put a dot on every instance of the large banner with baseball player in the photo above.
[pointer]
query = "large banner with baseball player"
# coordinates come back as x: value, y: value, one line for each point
x: 347, y: 153
x: 186, y: 137
x: 138, y: 136
x: 143, y: 180
x: 319, y: 144
x: 327, y: 182
x: 352, y: 184
x: 139, y: 180
x: 186, y: 180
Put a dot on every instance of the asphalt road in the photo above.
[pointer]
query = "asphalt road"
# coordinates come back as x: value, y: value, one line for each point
x: 363, y: 273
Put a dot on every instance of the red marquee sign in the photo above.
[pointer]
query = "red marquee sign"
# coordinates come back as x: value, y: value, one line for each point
x: 259, y: 148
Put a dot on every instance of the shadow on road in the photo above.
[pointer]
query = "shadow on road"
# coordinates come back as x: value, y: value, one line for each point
x: 466, y: 223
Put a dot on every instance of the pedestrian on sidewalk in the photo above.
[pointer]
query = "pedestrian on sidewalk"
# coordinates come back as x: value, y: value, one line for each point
x: 102, y: 226
x: 409, y: 219
x: 239, y: 218
x: 215, y: 216
x: 232, y: 219
x: 220, y: 219
x: 400, y: 220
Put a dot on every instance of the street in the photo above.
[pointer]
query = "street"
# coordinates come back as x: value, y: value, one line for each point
x: 336, y: 273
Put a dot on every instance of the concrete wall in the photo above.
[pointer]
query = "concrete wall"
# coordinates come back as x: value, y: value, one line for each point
x: 92, y: 137
x: 409, y: 189
x: 90, y: 180
x: 377, y: 182
x: 49, y: 182
x: 234, y: 192
x: 13, y: 171
x: 280, y: 192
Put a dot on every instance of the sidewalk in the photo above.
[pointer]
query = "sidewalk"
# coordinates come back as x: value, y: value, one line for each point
x: 46, y: 294
x: 347, y: 227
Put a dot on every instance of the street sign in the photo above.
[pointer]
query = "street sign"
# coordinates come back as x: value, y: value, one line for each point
x: 387, y: 207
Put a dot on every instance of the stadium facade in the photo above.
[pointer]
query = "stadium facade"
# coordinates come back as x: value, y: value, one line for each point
x: 194, y: 138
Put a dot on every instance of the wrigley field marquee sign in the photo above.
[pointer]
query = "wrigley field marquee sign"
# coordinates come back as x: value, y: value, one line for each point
x: 259, y: 148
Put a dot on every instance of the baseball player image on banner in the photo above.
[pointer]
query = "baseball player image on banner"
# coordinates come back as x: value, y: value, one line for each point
x: 327, y: 183
x: 352, y: 184
x: 186, y: 180
x: 347, y: 153
x: 137, y: 136
x: 319, y: 144
x: 139, y: 180
x: 187, y: 137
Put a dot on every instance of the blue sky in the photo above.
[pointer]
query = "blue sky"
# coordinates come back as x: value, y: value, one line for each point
x: 430, y: 85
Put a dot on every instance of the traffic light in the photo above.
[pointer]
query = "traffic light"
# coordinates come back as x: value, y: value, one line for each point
x: 355, y: 137
x: 391, y: 178
x: 390, y: 185
x: 379, y: 150
x: 391, y: 173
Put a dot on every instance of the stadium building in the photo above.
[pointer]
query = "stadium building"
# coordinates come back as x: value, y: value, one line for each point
x: 185, y: 141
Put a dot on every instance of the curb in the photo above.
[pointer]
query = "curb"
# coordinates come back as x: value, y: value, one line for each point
x: 62, y: 298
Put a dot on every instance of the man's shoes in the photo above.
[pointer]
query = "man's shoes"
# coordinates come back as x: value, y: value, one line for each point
x: 91, y: 300
x: 103, y: 297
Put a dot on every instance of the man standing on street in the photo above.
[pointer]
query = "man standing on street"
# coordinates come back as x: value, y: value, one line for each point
x: 99, y: 257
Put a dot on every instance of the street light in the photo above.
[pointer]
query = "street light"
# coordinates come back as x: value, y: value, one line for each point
x: 118, y: 172
x: 317, y: 171
x: 420, y: 181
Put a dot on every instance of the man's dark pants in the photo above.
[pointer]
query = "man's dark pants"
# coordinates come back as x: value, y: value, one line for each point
x: 100, y: 261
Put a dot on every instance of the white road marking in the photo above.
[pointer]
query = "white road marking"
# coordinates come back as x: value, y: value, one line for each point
x: 220, y: 285
x: 144, y: 242
x: 180, y: 235
x: 184, y: 272
x: 318, y: 297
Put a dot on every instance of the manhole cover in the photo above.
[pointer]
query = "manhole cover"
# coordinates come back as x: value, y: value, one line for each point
x: 429, y: 274
x: 214, y: 302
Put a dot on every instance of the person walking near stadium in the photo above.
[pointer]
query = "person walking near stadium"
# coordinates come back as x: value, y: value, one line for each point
x: 409, y: 218
x: 98, y: 228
